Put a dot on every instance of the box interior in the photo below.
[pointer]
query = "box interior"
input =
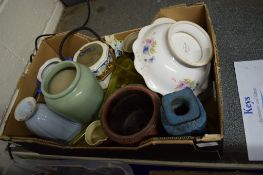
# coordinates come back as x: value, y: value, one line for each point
x: 211, y: 100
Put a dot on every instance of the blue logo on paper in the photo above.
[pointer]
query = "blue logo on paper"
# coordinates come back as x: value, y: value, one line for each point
x: 261, y: 99
x: 248, y: 110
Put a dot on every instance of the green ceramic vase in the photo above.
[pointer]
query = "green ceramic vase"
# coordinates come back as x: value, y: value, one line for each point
x: 72, y: 90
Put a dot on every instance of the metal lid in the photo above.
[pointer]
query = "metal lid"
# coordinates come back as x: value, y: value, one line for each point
x: 25, y: 109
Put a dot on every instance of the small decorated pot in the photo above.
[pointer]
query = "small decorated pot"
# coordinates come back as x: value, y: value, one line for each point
x: 173, y: 55
x: 46, y: 67
x: 130, y: 114
x: 182, y: 113
x: 71, y: 90
x: 44, y: 122
x: 97, y: 56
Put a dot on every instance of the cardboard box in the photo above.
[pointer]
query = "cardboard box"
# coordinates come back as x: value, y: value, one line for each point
x: 157, y: 148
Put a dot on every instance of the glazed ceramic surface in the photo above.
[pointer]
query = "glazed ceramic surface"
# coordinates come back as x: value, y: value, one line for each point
x: 45, y: 68
x: 130, y: 114
x: 44, y: 122
x: 81, y: 99
x: 96, y: 55
x: 173, y: 55
x: 182, y: 113
x: 94, y: 134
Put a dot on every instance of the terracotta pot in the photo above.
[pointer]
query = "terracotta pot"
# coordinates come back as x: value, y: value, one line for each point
x: 130, y: 114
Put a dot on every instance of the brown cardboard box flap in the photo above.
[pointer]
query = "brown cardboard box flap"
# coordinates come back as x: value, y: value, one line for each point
x: 194, y: 13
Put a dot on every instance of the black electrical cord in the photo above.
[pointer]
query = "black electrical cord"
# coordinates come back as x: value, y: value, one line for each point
x: 31, y: 57
x: 72, y: 32
x: 87, y: 19
x: 40, y: 36
x: 49, y: 35
x: 36, y: 44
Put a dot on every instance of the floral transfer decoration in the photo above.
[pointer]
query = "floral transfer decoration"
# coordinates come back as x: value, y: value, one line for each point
x: 150, y: 60
x: 186, y: 83
x: 149, y: 46
x: 115, y: 44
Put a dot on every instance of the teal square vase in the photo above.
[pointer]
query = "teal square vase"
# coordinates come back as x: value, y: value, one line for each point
x: 182, y: 113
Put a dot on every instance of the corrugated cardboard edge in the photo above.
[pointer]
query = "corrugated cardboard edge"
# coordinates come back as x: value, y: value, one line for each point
x: 119, y: 35
x: 57, y: 145
x: 184, y: 5
x: 219, y: 93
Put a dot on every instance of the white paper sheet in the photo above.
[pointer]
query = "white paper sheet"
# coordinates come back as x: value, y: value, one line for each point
x: 249, y: 76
